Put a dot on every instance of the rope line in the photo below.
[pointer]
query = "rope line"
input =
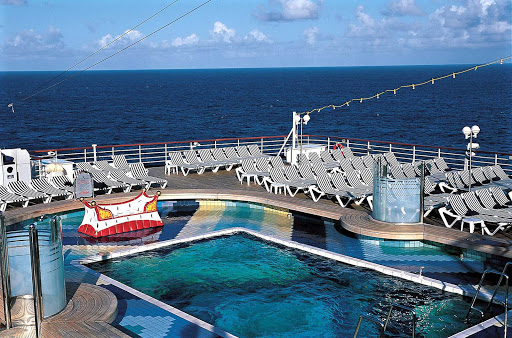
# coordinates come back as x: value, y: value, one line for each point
x: 414, y: 85
x: 114, y: 54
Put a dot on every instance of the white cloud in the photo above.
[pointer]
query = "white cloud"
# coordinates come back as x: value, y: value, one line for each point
x: 289, y: 10
x: 221, y: 32
x: 192, y: 39
x: 403, y: 8
x: 256, y: 35
x: 30, y: 41
x: 311, y: 34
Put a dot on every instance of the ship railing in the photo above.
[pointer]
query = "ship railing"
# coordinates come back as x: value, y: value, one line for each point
x: 155, y: 154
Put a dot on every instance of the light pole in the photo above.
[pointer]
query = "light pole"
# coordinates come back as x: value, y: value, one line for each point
x: 470, y: 133
x: 297, y: 119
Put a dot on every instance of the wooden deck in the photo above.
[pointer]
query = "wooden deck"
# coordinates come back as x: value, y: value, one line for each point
x: 224, y: 185
x: 89, y: 312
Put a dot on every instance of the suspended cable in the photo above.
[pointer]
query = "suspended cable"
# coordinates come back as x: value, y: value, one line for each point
x: 108, y: 44
x: 114, y: 54
x: 432, y: 81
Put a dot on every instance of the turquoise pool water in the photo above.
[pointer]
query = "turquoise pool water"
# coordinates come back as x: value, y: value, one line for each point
x: 253, y: 288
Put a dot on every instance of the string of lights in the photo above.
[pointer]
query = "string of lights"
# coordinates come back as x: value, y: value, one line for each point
x: 413, y: 86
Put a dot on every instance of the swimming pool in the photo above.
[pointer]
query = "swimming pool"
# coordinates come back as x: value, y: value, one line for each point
x: 250, y: 287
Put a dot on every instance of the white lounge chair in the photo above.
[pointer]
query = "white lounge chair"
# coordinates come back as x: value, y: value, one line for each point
x: 8, y: 197
x: 42, y: 185
x: 141, y: 173
x: 21, y: 188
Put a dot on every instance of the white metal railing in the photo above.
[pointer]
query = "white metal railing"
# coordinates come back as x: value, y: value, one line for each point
x: 154, y: 154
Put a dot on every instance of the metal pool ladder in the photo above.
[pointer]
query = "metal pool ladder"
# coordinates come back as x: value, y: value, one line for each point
x: 383, y: 327
x: 502, y: 275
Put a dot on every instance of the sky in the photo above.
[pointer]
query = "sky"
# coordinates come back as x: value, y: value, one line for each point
x: 56, y: 34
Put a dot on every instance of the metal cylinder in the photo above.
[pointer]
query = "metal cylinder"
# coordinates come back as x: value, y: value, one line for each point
x: 36, y: 278
x: 4, y: 270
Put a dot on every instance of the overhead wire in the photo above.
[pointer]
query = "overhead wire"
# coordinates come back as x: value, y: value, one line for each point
x: 105, y: 46
x: 414, y: 85
x: 114, y: 54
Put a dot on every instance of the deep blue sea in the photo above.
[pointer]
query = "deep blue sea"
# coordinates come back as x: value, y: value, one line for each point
x: 118, y: 107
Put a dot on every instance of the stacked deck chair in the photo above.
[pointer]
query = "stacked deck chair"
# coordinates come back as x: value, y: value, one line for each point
x: 220, y: 155
x: 337, y: 154
x: 120, y: 162
x: 346, y: 165
x: 256, y: 152
x: 315, y: 159
x: 391, y: 159
x: 277, y: 178
x: 368, y: 161
x: 306, y: 171
x: 455, y: 183
x: 176, y: 159
x: 503, y: 179
x: 42, y: 185
x: 21, y: 188
x: 276, y: 162
x: 63, y: 182
x: 500, y: 197
x: 458, y: 211
x: 206, y: 156
x: 328, y: 159
x: 367, y: 177
x: 7, y: 197
x: 101, y: 178
x: 131, y: 182
x: 357, y: 163
x: 141, y: 173
x: 325, y: 188
x: 475, y: 205
x: 107, y: 167
x: 233, y: 155
x: 191, y: 157
x: 248, y: 170
x: 292, y: 174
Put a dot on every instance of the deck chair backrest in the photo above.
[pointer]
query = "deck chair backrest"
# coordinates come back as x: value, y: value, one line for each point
x: 489, y: 173
x: 339, y: 181
x: 431, y: 167
x: 5, y: 194
x: 319, y: 169
x: 277, y: 175
x: 391, y: 158
x: 61, y: 181
x: 357, y: 162
x: 324, y: 183
x: 326, y: 156
x: 302, y: 158
x: 428, y: 186
x: 18, y: 187
x: 367, y: 176
x: 397, y: 171
x: 314, y: 158
x: 205, y: 155
x: 458, y: 205
x: 292, y: 174
x: 306, y: 170
x: 472, y: 201
x: 478, y: 175
x: 276, y: 162
x: 441, y: 164
x: 104, y: 166
x: 231, y: 153
x: 417, y: 168
x: 346, y: 165
x: 255, y: 150
x: 498, y: 170
x: 466, y: 177
x: 248, y: 165
x: 262, y: 164
x: 499, y: 196
x: 368, y: 161
x: 486, y: 198
x: 138, y: 169
x: 337, y: 154
x: 219, y: 154
x: 354, y: 180
x: 120, y: 162
x: 243, y: 152
x: 347, y: 152
x: 42, y: 185
x: 85, y: 166
x: 191, y: 157
x: 408, y: 170
x: 176, y: 158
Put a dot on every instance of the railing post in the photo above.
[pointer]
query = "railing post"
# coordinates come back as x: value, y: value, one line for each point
x: 36, y: 278
x: 328, y: 143
x: 390, y: 148
x: 113, y: 151
x: 85, y: 155
x: 4, y: 270
x: 94, y: 152
x: 165, y: 152
x: 438, y: 152
x: 495, y: 159
x: 215, y: 144
x: 348, y: 143
x: 261, y: 144
x: 368, y: 147
x: 238, y: 141
x: 140, y: 153
x: 413, y: 154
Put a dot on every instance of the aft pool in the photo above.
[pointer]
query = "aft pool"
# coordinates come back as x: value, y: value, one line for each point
x: 254, y: 288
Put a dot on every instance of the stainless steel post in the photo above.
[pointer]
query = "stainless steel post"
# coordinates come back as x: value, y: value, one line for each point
x: 470, y: 156
x: 4, y: 266
x: 36, y: 278
x: 422, y: 192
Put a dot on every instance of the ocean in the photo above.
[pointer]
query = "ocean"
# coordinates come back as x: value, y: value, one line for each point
x: 120, y: 107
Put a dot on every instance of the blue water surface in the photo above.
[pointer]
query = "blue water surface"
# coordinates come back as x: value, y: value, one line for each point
x: 122, y: 107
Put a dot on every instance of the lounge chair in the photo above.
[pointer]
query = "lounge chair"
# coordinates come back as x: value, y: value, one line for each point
x: 357, y: 163
x: 292, y: 174
x: 367, y: 177
x: 220, y: 155
x: 8, y: 197
x: 486, y: 198
x: 368, y: 161
x: 256, y: 152
x: 325, y: 188
x: 315, y: 158
x: 473, y: 203
x: 397, y: 172
x: 21, y: 188
x: 176, y: 159
x: 101, y: 178
x: 276, y: 162
x: 347, y: 152
x: 500, y: 197
x: 107, y: 167
x: 391, y: 159
x: 120, y: 162
x: 232, y: 154
x: 277, y: 179
x: 191, y: 157
x: 337, y: 154
x: 243, y: 153
x: 346, y: 165
x: 42, y: 185
x: 63, y: 182
x: 328, y: 159
x: 141, y: 173
x: 248, y: 170
x: 306, y: 171
x: 206, y: 156
x: 408, y: 170
x: 87, y: 167
x: 120, y: 176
